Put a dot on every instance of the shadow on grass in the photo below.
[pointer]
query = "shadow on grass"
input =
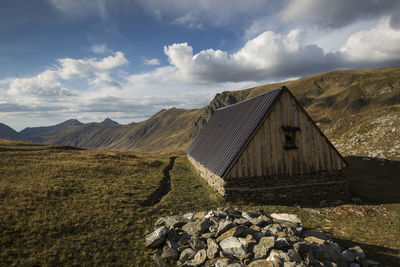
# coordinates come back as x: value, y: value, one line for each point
x: 373, y: 180
x: 383, y: 255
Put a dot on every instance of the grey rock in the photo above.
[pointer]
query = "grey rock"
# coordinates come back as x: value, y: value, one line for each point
x: 169, y: 254
x: 314, y: 211
x: 213, y: 228
x: 286, y: 217
x: 294, y: 256
x: 315, y: 233
x: 197, y: 244
x: 158, y: 260
x: 184, y: 240
x: 173, y: 235
x: 236, y: 231
x: 224, y: 226
x: 223, y: 262
x: 187, y: 254
x: 234, y: 264
x: 189, y: 215
x: 197, y: 227
x: 200, y: 257
x: 176, y: 221
x: 234, y: 246
x: 207, y: 235
x: 261, y: 249
x: 323, y: 253
x: 278, y: 256
x: 281, y: 243
x: 180, y: 249
x: 210, y: 262
x: 348, y: 256
x: 301, y: 247
x: 249, y: 215
x: 172, y: 244
x: 263, y: 263
x: 358, y: 252
x: 241, y: 221
x: 212, y: 248
x: 272, y: 229
x: 157, y: 237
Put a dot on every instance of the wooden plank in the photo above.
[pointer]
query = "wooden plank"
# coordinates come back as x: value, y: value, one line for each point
x: 274, y: 159
x: 304, y: 146
x: 269, y: 141
x: 279, y: 140
x: 313, y: 144
x: 258, y: 152
x: 263, y: 152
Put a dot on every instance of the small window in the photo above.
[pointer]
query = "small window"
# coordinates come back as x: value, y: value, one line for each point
x: 290, y: 137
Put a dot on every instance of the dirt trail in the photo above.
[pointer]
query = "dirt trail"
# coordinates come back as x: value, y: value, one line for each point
x: 163, y: 189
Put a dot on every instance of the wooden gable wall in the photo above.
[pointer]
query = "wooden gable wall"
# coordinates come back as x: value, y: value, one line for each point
x: 265, y: 154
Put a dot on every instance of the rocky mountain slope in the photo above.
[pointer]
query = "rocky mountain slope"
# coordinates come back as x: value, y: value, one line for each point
x: 357, y: 109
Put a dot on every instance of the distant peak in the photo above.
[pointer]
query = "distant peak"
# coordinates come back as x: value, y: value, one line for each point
x: 71, y: 122
x: 109, y: 122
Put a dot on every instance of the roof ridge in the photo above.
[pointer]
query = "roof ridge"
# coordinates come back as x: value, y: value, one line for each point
x: 251, y: 98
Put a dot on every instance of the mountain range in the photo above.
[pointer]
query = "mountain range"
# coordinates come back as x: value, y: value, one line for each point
x: 359, y: 110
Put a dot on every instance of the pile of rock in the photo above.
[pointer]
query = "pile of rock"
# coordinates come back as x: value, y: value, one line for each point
x: 230, y: 237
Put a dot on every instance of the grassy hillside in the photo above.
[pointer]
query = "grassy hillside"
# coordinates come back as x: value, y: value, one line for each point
x: 351, y: 107
x: 66, y: 206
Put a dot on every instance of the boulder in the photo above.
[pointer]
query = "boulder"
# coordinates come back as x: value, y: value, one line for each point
x: 197, y: 244
x: 263, y: 263
x: 158, y: 260
x: 286, y: 217
x: 157, y: 237
x: 278, y: 256
x: 281, y: 243
x: 313, y: 239
x: 315, y: 233
x: 212, y: 248
x: 261, y: 249
x: 169, y: 254
x: 232, y: 232
x: 200, y: 257
x: 197, y: 227
x: 224, y: 226
x: 187, y: 254
x: 234, y: 246
x: 223, y: 262
x: 234, y: 264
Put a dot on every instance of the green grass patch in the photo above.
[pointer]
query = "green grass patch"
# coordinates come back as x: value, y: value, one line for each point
x: 61, y: 206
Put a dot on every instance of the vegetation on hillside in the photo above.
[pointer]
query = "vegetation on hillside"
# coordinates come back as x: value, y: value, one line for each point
x: 61, y: 205
x: 345, y: 104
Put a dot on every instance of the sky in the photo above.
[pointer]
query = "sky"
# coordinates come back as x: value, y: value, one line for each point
x: 127, y: 59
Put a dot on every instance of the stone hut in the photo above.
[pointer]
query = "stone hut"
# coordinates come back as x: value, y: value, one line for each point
x: 268, y: 148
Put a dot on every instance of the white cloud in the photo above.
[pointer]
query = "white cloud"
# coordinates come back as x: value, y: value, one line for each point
x: 152, y: 62
x: 380, y: 44
x: 49, y: 83
x: 269, y: 56
x: 99, y: 48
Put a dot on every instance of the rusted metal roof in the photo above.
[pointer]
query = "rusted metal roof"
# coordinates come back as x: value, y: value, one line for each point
x: 229, y: 131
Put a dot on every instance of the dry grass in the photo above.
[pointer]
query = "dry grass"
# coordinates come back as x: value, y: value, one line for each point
x: 63, y: 206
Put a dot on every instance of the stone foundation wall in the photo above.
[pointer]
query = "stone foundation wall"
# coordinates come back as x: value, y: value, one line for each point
x: 295, y: 188
x: 279, y: 188
x: 212, y: 179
